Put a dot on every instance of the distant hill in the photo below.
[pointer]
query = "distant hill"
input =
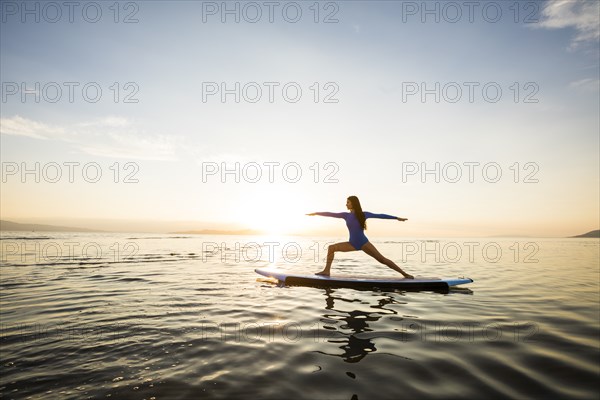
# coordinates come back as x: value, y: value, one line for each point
x: 590, y: 234
x: 14, y: 226
x: 219, y: 232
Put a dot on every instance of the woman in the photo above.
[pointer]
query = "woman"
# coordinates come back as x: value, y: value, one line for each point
x: 356, y: 223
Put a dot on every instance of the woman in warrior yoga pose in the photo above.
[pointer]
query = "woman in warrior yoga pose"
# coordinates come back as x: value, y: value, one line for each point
x: 356, y: 223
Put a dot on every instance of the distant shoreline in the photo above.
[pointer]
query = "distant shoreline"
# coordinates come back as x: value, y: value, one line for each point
x: 6, y: 226
x: 219, y: 232
x: 15, y: 226
x: 590, y: 234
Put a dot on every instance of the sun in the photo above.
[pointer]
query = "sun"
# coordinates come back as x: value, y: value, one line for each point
x: 274, y: 213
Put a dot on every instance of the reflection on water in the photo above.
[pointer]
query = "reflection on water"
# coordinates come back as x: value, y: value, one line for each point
x: 171, y: 321
x: 354, y: 348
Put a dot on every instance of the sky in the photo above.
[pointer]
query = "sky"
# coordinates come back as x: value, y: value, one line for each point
x: 467, y: 118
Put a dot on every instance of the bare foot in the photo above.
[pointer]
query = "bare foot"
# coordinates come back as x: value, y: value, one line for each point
x: 408, y: 276
x: 322, y: 273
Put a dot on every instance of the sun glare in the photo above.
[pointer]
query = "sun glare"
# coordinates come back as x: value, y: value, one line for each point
x: 273, y: 214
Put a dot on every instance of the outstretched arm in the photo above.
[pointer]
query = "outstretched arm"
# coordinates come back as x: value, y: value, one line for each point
x: 328, y: 214
x: 383, y: 216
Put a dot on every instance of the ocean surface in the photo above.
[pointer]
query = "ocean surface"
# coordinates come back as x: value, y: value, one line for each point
x: 148, y: 316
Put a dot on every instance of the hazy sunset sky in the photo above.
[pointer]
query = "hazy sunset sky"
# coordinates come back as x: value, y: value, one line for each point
x: 369, y: 133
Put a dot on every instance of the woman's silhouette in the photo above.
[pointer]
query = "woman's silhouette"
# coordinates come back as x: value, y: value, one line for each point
x: 356, y: 223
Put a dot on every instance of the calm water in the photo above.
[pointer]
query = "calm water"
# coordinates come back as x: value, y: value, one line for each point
x: 145, y: 316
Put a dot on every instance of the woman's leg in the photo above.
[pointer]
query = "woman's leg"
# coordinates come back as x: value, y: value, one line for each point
x: 373, y: 252
x: 342, y: 246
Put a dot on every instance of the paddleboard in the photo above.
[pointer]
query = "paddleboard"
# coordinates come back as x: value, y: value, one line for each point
x: 290, y: 278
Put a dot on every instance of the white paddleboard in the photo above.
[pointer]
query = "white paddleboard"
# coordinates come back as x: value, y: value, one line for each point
x: 290, y: 278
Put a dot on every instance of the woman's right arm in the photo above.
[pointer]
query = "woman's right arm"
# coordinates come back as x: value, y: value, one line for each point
x: 328, y: 214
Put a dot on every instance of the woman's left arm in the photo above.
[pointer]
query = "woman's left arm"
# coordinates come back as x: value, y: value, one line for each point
x: 383, y: 216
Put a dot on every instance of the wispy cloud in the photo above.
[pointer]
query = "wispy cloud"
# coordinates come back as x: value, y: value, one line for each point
x: 582, y: 15
x: 20, y: 126
x: 586, y: 85
x: 110, y: 121
x: 111, y: 136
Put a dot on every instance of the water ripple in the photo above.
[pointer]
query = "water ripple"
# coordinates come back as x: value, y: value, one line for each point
x: 171, y: 323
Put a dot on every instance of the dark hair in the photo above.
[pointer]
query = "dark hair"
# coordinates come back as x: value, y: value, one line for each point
x: 358, y: 211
